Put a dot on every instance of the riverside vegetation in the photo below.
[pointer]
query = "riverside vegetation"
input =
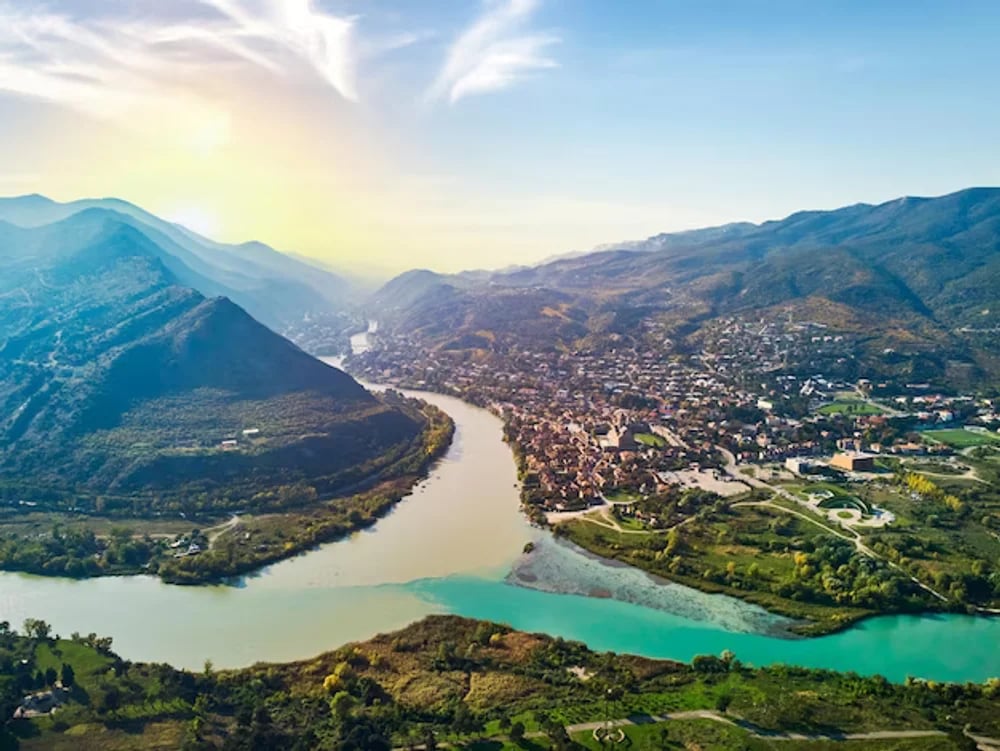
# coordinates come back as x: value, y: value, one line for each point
x: 938, y: 554
x: 273, y: 523
x: 472, y: 685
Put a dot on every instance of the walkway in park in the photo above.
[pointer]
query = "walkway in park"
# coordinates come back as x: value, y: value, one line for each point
x: 730, y: 467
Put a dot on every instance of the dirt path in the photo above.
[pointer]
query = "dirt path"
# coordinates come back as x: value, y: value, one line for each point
x: 985, y: 743
x: 754, y: 730
x: 214, y: 533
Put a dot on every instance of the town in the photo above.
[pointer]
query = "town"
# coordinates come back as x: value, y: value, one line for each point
x: 588, y: 426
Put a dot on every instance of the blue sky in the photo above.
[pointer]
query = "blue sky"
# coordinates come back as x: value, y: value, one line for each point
x: 482, y: 133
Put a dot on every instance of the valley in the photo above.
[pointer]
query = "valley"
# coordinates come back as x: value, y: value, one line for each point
x: 504, y: 375
x: 708, y: 465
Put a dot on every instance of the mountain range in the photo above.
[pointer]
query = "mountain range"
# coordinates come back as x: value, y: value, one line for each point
x: 120, y: 379
x: 917, y: 279
x: 278, y: 289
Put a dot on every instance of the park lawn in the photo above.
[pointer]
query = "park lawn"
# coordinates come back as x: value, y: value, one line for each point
x: 960, y: 438
x: 934, y: 467
x: 850, y: 407
x: 651, y: 439
x: 632, y: 524
x: 681, y: 734
x: 88, y: 664
x: 33, y: 523
x: 949, y: 546
x: 622, y: 496
x: 706, y: 734
x: 818, y: 487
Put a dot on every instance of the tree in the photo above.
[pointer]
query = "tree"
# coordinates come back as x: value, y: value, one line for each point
x: 51, y: 676
x: 464, y: 722
x: 430, y: 741
x: 341, y: 704
x: 708, y: 664
x: 67, y: 676
x: 109, y: 700
x: 517, y: 732
x: 664, y: 736
x: 37, y: 629
x: 729, y: 659
x: 482, y: 634
x: 962, y: 741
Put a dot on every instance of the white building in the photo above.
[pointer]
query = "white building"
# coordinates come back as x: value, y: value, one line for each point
x: 797, y: 465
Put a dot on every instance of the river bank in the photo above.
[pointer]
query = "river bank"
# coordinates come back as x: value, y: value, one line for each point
x: 280, y: 523
x: 465, y: 681
x: 450, y: 547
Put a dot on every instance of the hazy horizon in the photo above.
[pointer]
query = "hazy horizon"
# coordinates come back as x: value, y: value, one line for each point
x: 373, y: 274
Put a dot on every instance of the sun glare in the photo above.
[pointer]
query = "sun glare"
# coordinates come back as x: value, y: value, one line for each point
x: 197, y: 219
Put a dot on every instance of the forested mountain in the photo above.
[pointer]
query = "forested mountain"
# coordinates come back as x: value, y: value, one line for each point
x: 916, y: 277
x: 276, y: 288
x: 119, y: 382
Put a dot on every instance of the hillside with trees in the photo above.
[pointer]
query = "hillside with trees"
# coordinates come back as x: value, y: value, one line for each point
x: 448, y: 681
x: 125, y: 394
x: 916, y: 281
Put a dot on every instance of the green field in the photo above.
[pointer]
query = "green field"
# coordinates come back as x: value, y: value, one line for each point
x: 850, y: 407
x: 960, y: 438
x: 622, y: 496
x: 650, y: 439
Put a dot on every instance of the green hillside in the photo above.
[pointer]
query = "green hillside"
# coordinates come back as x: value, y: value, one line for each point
x: 123, y: 393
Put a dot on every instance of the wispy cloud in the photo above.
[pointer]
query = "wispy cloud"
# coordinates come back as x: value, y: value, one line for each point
x: 497, y: 50
x: 113, y: 63
x: 323, y: 41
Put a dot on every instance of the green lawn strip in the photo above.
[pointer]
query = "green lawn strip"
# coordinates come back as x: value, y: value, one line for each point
x: 960, y: 438
x: 633, y: 524
x: 651, y: 439
x: 622, y: 496
x: 850, y: 407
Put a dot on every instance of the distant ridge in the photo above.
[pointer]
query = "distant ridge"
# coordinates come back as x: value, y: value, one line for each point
x: 911, y: 272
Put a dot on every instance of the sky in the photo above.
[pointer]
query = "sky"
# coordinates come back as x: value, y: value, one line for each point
x: 382, y: 135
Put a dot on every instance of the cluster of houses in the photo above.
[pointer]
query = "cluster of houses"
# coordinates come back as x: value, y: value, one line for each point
x: 41, y: 702
x: 624, y: 416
